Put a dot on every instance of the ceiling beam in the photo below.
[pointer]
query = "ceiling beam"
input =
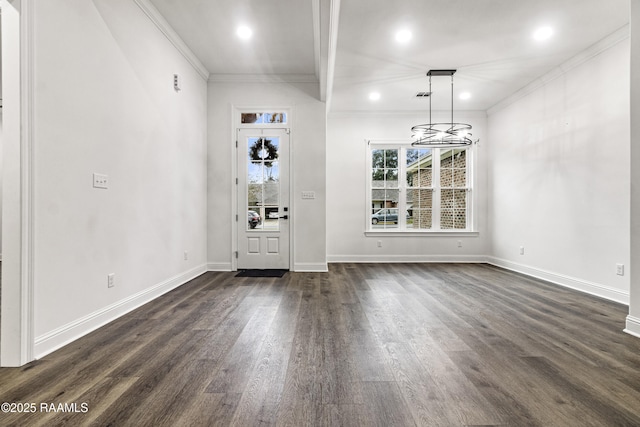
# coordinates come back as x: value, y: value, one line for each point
x: 326, y: 17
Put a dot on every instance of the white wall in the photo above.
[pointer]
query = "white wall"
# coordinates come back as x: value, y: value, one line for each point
x: 1, y: 163
x: 559, y: 177
x: 104, y: 102
x: 347, y: 210
x: 633, y: 320
x: 308, y: 150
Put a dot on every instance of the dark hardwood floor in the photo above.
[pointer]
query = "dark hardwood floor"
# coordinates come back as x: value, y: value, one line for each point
x: 370, y: 345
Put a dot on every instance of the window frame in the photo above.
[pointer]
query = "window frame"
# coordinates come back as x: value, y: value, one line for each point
x: 402, y: 230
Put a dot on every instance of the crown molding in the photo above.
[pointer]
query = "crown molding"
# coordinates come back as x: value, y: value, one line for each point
x: 262, y: 78
x: 584, y: 56
x: 412, y: 114
x: 158, y: 20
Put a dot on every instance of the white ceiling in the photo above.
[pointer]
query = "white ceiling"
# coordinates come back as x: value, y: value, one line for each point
x: 489, y: 42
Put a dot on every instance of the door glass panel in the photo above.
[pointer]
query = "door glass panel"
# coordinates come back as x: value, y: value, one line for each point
x: 263, y: 181
x: 254, y: 172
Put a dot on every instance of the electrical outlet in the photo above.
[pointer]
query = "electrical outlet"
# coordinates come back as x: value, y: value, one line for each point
x: 620, y: 269
x: 379, y: 243
x: 521, y: 250
x: 186, y: 255
x: 100, y: 181
x: 459, y: 243
x: 111, y: 280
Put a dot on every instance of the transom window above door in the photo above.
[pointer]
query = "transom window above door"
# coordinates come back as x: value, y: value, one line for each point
x: 262, y: 118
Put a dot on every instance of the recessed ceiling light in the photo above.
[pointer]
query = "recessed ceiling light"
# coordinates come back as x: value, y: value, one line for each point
x: 374, y: 96
x: 543, y: 33
x: 244, y: 32
x: 403, y: 36
x: 465, y: 95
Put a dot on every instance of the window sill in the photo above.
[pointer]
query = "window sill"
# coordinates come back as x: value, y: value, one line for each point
x: 408, y: 233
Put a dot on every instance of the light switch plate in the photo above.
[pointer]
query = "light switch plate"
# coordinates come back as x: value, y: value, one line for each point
x: 309, y: 195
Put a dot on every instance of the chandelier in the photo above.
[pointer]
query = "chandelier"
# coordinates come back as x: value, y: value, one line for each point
x: 441, y: 135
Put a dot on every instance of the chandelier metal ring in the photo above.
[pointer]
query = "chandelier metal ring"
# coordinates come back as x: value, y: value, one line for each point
x: 445, y: 135
x: 451, y: 135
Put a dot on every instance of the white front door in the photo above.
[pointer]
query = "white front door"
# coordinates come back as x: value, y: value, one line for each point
x: 263, y: 199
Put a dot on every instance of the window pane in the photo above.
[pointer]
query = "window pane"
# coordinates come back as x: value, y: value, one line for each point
x: 250, y: 117
x: 460, y: 199
x: 460, y: 177
x: 446, y: 219
x: 446, y: 177
x: 274, y: 118
x: 412, y: 201
x: 254, y: 195
x: 391, y: 198
x: 377, y: 178
x: 271, y: 171
x: 460, y: 159
x: 377, y: 159
x: 446, y: 199
x: 420, y: 175
x: 255, y: 149
x: 391, y: 178
x: 419, y: 199
x: 254, y: 172
x: 391, y: 159
x: 426, y: 177
x: 255, y: 220
x: 271, y: 193
x: 412, y: 178
x: 460, y: 219
x: 419, y: 168
x: 385, y: 212
x: 260, y: 118
x: 377, y: 200
x: 421, y: 219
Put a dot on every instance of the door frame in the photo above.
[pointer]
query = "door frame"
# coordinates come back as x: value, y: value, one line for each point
x: 17, y: 335
x: 236, y: 111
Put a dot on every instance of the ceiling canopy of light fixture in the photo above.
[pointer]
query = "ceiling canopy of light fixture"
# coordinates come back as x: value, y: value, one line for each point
x: 441, y: 135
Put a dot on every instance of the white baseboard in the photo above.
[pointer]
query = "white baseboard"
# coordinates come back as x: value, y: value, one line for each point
x: 407, y: 258
x: 320, y: 267
x: 63, y: 335
x: 633, y: 326
x: 562, y: 280
x: 219, y: 266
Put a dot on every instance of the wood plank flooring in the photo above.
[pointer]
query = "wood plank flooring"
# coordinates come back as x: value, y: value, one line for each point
x: 362, y: 345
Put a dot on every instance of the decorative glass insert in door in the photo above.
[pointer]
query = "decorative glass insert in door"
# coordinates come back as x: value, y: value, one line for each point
x: 263, y: 184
